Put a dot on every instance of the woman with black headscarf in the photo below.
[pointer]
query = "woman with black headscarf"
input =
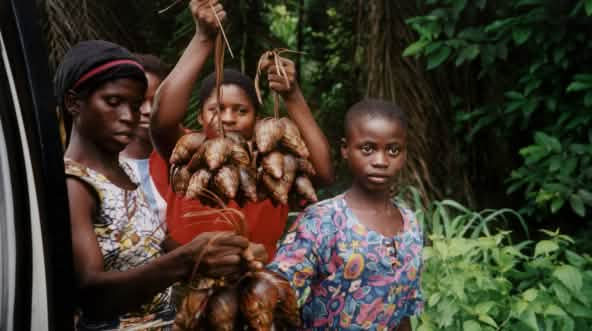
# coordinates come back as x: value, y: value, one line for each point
x: 124, y: 273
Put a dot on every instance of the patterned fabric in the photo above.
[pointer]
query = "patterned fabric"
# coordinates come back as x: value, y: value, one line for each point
x: 141, y: 171
x: 347, y: 276
x: 129, y: 234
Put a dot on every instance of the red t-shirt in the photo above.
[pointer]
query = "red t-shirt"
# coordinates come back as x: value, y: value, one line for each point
x: 264, y: 222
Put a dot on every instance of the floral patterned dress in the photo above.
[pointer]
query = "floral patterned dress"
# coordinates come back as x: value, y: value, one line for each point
x: 347, y: 276
x: 129, y: 234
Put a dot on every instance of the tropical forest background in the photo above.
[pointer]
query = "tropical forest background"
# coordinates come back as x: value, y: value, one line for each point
x: 499, y: 98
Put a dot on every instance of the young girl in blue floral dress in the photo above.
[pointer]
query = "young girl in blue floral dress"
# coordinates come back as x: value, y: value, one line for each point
x: 354, y: 260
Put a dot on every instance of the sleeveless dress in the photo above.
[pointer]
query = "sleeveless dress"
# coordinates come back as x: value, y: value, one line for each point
x: 129, y: 234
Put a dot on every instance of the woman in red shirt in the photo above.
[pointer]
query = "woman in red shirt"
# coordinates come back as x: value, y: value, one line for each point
x: 265, y: 222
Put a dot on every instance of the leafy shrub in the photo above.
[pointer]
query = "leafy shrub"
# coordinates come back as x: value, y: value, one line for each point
x: 474, y: 279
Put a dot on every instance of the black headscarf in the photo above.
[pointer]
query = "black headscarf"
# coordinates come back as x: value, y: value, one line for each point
x: 91, y: 63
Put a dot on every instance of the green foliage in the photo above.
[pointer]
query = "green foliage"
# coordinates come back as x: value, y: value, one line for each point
x: 534, y: 57
x: 449, y: 219
x: 474, y: 279
x: 283, y: 23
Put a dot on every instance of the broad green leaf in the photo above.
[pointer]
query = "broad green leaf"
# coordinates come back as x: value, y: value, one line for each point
x: 570, y: 276
x: 447, y: 310
x: 555, y: 163
x: 578, y: 86
x: 578, y: 310
x: 519, y: 307
x: 577, y: 205
x: 555, y: 310
x: 530, y: 294
x: 589, y: 7
x: 562, y: 293
x: 575, y: 259
x: 434, y: 299
x: 556, y: 204
x: 568, y: 167
x: 471, y: 325
x: 483, y: 308
x: 459, y: 5
x: 514, y: 95
x: 545, y: 247
x: 481, y: 123
x: 471, y: 52
x: 529, y: 319
x: 549, y: 141
x: 487, y: 320
x: 458, y: 287
x: 438, y: 57
x: 416, y: 47
x: 432, y: 47
x: 568, y: 324
x: 499, y: 25
x: 521, y: 34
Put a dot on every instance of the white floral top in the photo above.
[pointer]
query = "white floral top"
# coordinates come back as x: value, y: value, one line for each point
x: 129, y: 234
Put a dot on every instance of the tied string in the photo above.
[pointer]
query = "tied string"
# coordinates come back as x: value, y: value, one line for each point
x: 219, y: 66
x: 275, y: 56
x: 174, y: 3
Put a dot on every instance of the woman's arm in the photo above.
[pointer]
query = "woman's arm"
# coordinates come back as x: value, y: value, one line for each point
x: 315, y: 139
x: 106, y: 294
x: 172, y: 98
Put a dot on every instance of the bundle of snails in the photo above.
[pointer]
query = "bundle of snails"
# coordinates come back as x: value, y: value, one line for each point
x: 261, y: 300
x: 222, y: 165
x: 282, y: 159
x: 252, y: 299
x: 282, y: 156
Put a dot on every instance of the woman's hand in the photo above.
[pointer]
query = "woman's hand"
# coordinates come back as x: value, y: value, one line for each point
x: 204, y: 17
x: 256, y: 256
x: 281, y: 79
x: 219, y: 254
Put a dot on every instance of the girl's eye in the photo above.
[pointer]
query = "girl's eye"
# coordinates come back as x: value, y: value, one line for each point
x: 366, y: 149
x: 243, y: 111
x: 113, y: 101
x: 394, y: 151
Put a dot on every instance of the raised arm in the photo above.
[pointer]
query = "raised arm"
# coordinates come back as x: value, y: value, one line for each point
x: 315, y: 139
x: 171, y: 101
x: 105, y: 294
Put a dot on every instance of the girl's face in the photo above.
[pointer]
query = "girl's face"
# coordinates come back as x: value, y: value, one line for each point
x: 143, y: 129
x: 237, y: 112
x: 375, y: 150
x: 110, y: 114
